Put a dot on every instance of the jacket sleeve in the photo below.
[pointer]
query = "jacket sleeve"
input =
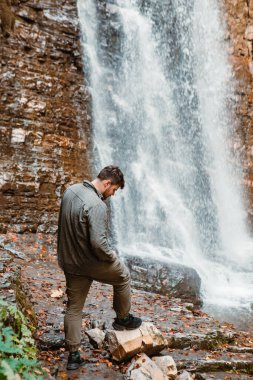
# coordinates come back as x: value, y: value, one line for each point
x: 98, y: 230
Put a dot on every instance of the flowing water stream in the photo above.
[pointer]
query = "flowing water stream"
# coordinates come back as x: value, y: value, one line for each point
x: 161, y: 87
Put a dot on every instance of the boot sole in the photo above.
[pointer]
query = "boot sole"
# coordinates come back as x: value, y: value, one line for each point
x: 74, y: 366
x: 121, y: 328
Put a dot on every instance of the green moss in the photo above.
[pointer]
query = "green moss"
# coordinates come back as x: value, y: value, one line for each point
x: 24, y: 303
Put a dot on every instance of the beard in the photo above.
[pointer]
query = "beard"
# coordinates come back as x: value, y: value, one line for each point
x: 106, y: 194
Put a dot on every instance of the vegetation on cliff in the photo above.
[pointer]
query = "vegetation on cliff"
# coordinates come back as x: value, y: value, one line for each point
x: 17, y: 348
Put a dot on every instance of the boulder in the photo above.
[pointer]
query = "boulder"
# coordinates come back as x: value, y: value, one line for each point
x: 96, y: 337
x: 125, y: 344
x: 184, y: 376
x: 143, y: 368
x: 167, y: 365
x: 173, y: 279
x: 51, y: 340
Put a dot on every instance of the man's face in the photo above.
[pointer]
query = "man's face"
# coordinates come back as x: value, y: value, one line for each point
x: 110, y: 189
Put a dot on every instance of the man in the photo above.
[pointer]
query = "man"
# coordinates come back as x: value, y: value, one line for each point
x: 84, y: 255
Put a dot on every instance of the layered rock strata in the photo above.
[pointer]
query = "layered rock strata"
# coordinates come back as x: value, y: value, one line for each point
x: 44, y: 127
x: 239, y: 21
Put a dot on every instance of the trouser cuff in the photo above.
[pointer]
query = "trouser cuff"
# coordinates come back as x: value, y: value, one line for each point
x: 120, y: 316
x: 72, y: 347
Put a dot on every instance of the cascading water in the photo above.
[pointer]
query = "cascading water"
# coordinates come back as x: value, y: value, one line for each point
x: 160, y: 82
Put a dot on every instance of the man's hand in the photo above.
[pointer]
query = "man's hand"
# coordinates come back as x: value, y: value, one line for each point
x: 114, y: 255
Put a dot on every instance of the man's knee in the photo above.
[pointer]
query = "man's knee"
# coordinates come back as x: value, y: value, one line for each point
x: 125, y: 274
x: 115, y: 273
x: 120, y: 274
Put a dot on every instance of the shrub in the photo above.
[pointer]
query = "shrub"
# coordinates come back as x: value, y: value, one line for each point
x: 17, y: 347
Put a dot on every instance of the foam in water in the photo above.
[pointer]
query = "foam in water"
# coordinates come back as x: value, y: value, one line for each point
x: 160, y: 82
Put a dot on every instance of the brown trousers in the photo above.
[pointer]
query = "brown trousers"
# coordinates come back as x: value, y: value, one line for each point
x: 77, y: 288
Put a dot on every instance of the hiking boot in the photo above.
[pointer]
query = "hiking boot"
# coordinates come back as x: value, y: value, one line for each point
x: 74, y: 360
x: 128, y: 323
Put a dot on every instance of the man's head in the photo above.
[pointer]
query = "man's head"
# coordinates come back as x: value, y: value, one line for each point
x: 109, y: 180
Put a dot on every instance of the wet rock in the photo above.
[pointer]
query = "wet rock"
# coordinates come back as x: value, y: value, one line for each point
x: 125, y: 344
x: 184, y: 376
x: 47, y: 228
x: 2, y: 240
x: 204, y: 341
x: 144, y: 368
x: 102, y: 325
x: 9, y: 248
x: 239, y: 349
x: 171, y: 279
x: 189, y: 306
x: 51, y: 341
x: 200, y: 376
x: 167, y: 365
x: 9, y: 273
x: 216, y: 365
x: 222, y: 376
x: 4, y: 282
x: 96, y: 337
x: 5, y: 257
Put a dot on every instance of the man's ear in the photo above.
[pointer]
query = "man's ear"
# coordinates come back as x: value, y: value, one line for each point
x: 107, y: 183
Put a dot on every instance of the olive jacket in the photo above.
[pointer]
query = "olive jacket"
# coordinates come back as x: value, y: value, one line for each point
x: 82, y: 229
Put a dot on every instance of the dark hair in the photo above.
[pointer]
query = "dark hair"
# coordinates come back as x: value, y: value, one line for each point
x: 114, y: 174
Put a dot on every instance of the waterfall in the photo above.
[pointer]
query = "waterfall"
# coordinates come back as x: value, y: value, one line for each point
x: 161, y: 88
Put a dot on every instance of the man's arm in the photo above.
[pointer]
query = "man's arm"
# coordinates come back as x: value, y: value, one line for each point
x: 98, y: 229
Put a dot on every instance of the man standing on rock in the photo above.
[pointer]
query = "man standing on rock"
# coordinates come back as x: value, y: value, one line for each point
x: 84, y: 255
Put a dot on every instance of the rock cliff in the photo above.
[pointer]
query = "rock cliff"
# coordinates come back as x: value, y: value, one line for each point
x: 44, y: 127
x: 239, y: 20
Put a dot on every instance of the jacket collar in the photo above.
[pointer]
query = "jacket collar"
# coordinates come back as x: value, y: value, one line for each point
x: 90, y: 185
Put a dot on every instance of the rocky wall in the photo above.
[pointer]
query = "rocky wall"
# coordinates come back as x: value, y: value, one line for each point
x: 239, y: 21
x: 44, y: 125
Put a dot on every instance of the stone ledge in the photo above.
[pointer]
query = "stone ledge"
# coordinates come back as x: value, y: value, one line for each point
x: 245, y: 366
x: 209, y: 341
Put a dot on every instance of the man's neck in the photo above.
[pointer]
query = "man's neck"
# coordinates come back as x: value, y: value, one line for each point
x: 98, y: 185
